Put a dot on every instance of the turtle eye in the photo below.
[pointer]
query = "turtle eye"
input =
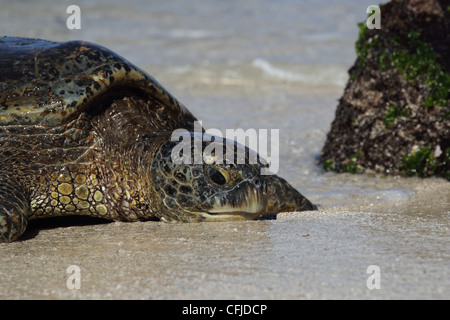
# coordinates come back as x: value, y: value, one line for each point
x: 218, y: 176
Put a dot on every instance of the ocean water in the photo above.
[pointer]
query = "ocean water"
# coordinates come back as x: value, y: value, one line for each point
x: 258, y: 64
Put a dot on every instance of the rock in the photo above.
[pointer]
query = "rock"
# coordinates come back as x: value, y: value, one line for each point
x: 394, y: 115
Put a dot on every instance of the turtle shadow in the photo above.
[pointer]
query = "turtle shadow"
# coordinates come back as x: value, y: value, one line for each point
x: 269, y: 216
x: 35, y: 226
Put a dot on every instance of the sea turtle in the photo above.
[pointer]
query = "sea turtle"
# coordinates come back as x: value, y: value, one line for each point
x: 85, y: 132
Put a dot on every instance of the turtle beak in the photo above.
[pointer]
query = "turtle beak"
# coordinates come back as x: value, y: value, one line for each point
x: 284, y: 198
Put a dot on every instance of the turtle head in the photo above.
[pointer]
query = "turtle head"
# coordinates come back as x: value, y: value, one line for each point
x: 218, y: 179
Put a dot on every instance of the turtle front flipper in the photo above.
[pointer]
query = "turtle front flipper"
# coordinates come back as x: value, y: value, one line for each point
x: 14, y: 208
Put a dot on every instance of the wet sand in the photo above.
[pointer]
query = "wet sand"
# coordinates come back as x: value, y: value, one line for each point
x: 307, y: 255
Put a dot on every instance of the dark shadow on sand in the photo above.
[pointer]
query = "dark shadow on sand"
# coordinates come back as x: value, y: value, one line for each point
x: 35, y: 226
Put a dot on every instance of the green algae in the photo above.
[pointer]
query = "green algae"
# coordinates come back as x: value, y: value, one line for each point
x: 422, y: 62
x: 328, y: 165
x: 350, y: 165
x: 392, y: 113
x: 422, y: 162
x: 362, y: 47
x: 416, y: 61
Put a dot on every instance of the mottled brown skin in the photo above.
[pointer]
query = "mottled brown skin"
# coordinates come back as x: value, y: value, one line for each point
x: 84, y: 132
x: 77, y: 168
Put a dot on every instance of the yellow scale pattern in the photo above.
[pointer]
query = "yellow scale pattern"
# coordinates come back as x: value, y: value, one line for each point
x: 70, y: 192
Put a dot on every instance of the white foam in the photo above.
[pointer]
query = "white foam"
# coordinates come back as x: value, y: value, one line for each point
x: 324, y: 75
x: 279, y: 73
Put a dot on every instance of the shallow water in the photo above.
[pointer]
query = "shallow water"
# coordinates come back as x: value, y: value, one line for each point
x: 251, y: 64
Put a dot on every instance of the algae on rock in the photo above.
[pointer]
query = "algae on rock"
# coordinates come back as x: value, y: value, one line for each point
x: 394, y: 115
